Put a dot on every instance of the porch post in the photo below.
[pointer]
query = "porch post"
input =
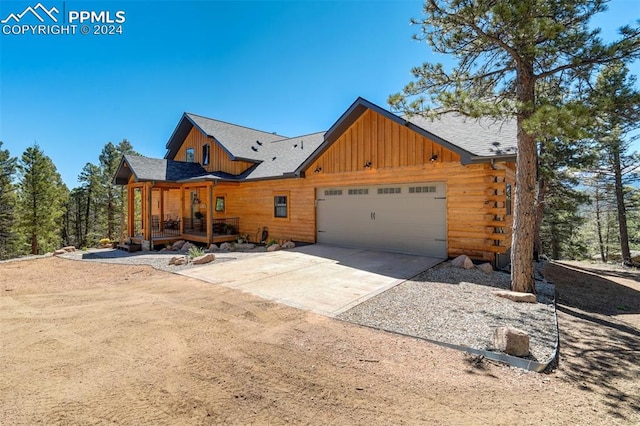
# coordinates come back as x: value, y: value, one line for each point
x: 210, y: 213
x: 181, y: 210
x: 130, y: 211
x: 147, y: 228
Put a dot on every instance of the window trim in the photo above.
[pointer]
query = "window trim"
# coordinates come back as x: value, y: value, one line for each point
x: 287, y: 204
x: 508, y: 194
x: 193, y: 155
x: 224, y: 203
x: 206, y: 159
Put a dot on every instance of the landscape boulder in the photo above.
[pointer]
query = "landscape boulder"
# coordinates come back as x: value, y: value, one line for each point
x: 178, y: 260
x: 486, y: 268
x: 68, y: 249
x: 206, y: 258
x: 186, y: 246
x: 288, y: 245
x: 462, y: 261
x: 213, y: 247
x: 59, y: 252
x: 274, y: 247
x: 244, y: 246
x: 177, y: 245
x: 225, y: 246
x: 511, y: 341
x: 516, y: 296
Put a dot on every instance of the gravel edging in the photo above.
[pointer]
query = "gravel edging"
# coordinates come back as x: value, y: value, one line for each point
x: 457, y: 307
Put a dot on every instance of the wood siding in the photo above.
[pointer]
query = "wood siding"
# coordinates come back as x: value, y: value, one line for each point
x: 381, y: 142
x: 218, y: 158
x: 477, y: 223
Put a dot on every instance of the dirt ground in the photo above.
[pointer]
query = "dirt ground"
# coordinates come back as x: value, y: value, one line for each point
x: 86, y: 343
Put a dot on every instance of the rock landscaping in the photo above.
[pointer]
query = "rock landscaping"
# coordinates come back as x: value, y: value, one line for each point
x: 458, y: 306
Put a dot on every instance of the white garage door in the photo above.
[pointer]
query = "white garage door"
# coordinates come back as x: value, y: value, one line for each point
x: 403, y: 218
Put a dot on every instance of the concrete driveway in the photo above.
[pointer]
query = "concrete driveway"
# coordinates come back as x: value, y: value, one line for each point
x: 324, y: 279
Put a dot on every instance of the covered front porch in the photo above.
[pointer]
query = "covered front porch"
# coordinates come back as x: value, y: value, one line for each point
x: 160, y: 213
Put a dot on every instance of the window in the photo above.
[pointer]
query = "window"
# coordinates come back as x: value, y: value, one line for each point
x: 332, y: 192
x: 389, y: 190
x: 419, y: 189
x: 190, y: 155
x: 280, y: 206
x: 359, y: 191
x: 508, y: 194
x: 205, y: 154
x: 220, y: 204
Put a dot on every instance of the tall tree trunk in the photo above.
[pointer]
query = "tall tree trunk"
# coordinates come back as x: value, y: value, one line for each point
x: 110, y: 213
x: 34, y: 243
x: 86, y: 218
x: 555, y: 242
x: 622, y: 211
x: 34, y: 233
x: 522, y: 274
x: 603, y: 255
x: 542, y: 192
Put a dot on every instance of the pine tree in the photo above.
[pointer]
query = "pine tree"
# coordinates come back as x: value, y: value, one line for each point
x: 115, y: 198
x: 616, y: 105
x: 504, y: 49
x: 8, y: 238
x: 41, y: 200
x: 92, y: 217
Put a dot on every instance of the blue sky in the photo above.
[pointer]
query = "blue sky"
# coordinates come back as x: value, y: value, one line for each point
x: 290, y: 67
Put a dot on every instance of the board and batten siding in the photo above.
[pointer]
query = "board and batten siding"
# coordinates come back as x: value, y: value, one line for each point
x: 218, y: 158
x: 381, y: 142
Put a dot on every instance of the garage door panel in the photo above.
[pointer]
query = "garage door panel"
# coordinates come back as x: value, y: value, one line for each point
x: 396, y: 217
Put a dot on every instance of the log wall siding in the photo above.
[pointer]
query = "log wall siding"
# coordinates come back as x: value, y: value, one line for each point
x: 172, y: 200
x: 470, y: 209
x: 382, y: 142
x: 218, y: 158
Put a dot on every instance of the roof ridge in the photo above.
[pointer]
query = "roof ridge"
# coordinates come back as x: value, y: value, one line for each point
x: 236, y: 125
x: 300, y: 136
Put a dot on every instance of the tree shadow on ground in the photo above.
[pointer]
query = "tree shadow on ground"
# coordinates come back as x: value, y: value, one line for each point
x: 590, y: 291
x: 630, y: 274
x: 599, y: 352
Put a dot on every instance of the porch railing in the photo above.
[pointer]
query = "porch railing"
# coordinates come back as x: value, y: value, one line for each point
x: 169, y: 227
x: 195, y: 226
x: 225, y: 226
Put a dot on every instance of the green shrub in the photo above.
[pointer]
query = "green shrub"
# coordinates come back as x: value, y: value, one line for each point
x: 195, y: 251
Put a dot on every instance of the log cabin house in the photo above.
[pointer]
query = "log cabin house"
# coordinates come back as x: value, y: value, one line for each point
x: 374, y: 180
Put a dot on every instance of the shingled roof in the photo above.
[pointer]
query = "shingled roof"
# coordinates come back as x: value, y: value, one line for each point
x: 276, y: 156
x: 283, y: 157
x: 234, y: 139
x: 155, y: 169
x: 482, y: 137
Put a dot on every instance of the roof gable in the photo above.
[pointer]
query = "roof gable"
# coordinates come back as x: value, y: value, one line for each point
x: 239, y: 142
x: 475, y: 140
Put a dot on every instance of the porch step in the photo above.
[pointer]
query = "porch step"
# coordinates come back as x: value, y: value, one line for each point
x: 131, y: 247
